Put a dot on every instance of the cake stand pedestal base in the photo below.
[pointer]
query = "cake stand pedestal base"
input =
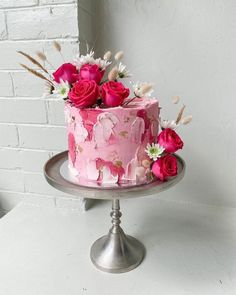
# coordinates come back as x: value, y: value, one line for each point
x: 116, y: 252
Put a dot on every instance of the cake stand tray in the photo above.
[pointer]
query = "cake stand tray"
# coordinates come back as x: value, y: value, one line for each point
x: 115, y: 252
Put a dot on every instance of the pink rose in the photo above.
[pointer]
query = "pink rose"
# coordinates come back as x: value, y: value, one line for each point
x: 84, y: 93
x: 72, y: 148
x: 91, y: 72
x: 165, y: 166
x: 66, y: 72
x: 114, y: 93
x: 170, y: 140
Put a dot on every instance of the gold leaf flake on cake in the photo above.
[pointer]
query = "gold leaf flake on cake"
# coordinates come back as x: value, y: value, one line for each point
x: 113, y: 156
x: 118, y: 163
x: 149, y: 176
x: 126, y: 119
x: 79, y: 148
x: 146, y: 163
x: 123, y: 133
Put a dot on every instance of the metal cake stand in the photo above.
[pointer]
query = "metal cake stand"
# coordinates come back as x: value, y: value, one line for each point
x: 115, y: 252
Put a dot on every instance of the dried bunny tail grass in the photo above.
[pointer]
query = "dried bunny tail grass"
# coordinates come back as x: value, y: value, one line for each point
x: 180, y: 114
x: 175, y: 99
x: 112, y: 75
x: 145, y: 88
x: 119, y: 55
x: 41, y: 55
x: 186, y: 120
x: 34, y: 61
x: 107, y: 55
x: 39, y: 75
x: 57, y: 46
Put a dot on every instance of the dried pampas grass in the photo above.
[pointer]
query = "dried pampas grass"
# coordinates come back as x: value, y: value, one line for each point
x: 33, y: 60
x: 39, y: 75
x: 180, y: 114
x: 112, y: 75
x: 41, y: 55
x: 107, y: 55
x: 175, y: 99
x: 119, y: 55
x: 145, y: 88
x: 57, y: 46
x: 186, y: 120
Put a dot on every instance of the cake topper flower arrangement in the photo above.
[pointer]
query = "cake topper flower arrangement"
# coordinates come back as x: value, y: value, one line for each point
x: 90, y: 83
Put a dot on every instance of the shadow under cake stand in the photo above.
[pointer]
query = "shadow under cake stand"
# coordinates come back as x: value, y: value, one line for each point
x: 116, y: 252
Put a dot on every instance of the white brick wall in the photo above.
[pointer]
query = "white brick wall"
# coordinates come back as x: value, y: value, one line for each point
x: 31, y: 127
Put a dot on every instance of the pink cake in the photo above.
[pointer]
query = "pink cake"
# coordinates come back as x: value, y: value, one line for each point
x: 107, y: 145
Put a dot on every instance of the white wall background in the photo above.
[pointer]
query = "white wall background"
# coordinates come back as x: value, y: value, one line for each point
x: 187, y: 48
x: 31, y: 128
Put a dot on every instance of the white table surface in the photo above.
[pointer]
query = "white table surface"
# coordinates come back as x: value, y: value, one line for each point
x: 191, y: 249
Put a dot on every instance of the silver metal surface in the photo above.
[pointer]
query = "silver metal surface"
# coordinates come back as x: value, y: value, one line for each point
x: 115, y: 252
x: 53, y: 174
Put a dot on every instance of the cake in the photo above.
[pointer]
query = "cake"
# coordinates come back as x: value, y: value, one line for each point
x: 114, y: 137
x: 107, y: 145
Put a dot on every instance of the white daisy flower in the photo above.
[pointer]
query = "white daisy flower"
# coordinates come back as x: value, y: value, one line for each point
x: 168, y: 124
x: 142, y: 89
x: 122, y: 72
x: 154, y: 151
x: 89, y: 59
x: 62, y: 90
x: 102, y: 63
x: 84, y: 59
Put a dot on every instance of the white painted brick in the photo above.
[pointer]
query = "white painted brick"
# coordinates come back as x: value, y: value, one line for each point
x: 9, y: 200
x: 39, y: 137
x: 10, y: 59
x: 3, y: 28
x: 36, y: 183
x: 11, y: 180
x: 56, y: 112
x: 33, y: 161
x: 45, y: 2
x: 8, y: 135
x: 6, y: 88
x: 48, y: 22
x: 26, y: 84
x: 9, y: 158
x: 17, y: 3
x: 69, y: 50
x: 22, y: 111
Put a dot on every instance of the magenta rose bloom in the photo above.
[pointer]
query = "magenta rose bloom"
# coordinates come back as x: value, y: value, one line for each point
x: 66, y: 72
x: 114, y: 93
x: 84, y: 93
x: 165, y: 166
x: 91, y: 72
x: 72, y: 147
x: 170, y: 140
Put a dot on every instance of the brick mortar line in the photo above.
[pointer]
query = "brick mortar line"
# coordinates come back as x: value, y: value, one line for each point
x: 32, y: 125
x: 6, y: 24
x: 12, y: 84
x: 19, y: 149
x: 28, y: 98
x: 38, y: 6
x: 41, y: 40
